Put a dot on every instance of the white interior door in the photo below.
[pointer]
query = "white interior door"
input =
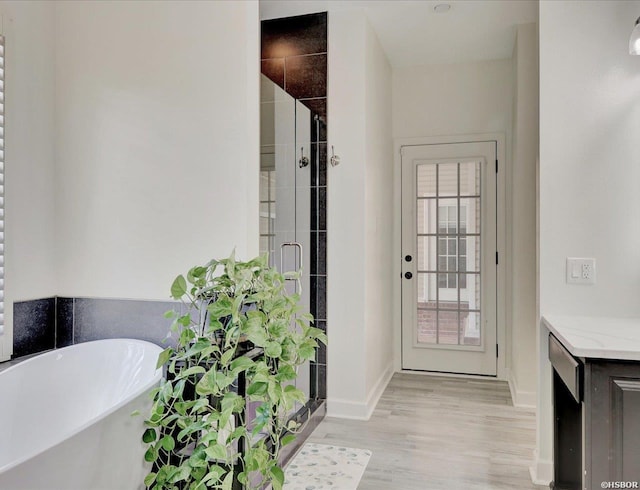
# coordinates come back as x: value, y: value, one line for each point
x: 449, y: 258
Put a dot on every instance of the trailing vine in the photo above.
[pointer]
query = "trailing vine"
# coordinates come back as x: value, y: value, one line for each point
x: 237, y: 322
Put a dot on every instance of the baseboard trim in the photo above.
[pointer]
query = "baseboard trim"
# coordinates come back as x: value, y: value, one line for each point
x: 378, y: 389
x: 521, y: 399
x: 347, y: 409
x: 541, y: 471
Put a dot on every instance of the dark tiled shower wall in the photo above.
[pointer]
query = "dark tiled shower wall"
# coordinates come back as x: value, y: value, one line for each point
x: 49, y: 323
x: 294, y: 56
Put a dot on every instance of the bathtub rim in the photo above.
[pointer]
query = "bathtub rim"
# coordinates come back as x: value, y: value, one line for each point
x: 155, y: 380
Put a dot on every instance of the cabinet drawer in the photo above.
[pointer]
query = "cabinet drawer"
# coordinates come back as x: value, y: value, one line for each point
x: 568, y: 367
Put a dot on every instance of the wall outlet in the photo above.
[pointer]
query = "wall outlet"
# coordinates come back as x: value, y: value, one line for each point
x: 581, y: 271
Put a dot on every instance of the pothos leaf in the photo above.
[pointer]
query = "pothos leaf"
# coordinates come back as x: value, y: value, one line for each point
x: 216, y: 452
x: 273, y: 349
x: 179, y: 287
x: 168, y: 443
x: 164, y: 356
x: 149, y: 436
x: 288, y: 439
x: 228, y: 481
x: 150, y: 455
x: 149, y: 479
x: 277, y: 478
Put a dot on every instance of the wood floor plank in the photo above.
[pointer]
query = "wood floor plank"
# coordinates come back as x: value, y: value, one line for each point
x: 437, y: 433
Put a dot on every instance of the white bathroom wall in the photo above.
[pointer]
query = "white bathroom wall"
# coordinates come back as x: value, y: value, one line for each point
x: 29, y: 164
x: 589, y: 159
x: 589, y: 169
x: 157, y: 113
x: 446, y: 101
x: 359, y: 218
x: 378, y: 196
x: 523, y: 379
x: 458, y: 98
x: 346, y: 351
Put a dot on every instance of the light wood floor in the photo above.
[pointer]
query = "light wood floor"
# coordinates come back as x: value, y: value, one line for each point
x: 431, y: 433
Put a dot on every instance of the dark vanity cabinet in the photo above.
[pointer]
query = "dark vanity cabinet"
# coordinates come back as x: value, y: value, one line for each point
x: 612, y: 422
x: 596, y: 421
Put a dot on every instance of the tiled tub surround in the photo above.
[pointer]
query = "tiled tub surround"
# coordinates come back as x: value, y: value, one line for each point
x: 94, y: 319
x: 44, y: 324
x: 34, y: 326
x: 294, y: 56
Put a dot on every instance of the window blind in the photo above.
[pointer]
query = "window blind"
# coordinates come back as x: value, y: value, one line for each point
x: 1, y: 184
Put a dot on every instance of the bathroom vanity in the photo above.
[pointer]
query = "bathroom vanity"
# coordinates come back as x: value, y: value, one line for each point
x: 596, y: 401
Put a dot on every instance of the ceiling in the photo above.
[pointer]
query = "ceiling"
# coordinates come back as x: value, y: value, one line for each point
x: 413, y: 34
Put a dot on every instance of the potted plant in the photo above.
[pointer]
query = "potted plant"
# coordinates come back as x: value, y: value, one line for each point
x: 240, y: 340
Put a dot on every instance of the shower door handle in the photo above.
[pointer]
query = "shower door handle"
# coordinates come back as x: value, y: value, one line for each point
x: 298, y: 247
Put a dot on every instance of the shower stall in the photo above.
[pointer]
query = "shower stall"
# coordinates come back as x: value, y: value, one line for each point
x: 288, y: 163
x: 293, y: 179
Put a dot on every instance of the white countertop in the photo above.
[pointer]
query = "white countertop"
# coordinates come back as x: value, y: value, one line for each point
x: 597, y: 337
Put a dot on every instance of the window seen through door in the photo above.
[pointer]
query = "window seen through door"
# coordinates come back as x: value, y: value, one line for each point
x: 450, y: 259
x: 448, y: 249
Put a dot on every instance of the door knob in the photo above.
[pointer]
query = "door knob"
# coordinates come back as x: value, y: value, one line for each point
x: 408, y: 258
x: 408, y: 275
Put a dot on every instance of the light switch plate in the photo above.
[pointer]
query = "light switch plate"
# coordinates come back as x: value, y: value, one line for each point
x: 581, y: 270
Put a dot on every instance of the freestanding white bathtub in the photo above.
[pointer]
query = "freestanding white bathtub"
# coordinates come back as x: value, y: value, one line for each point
x: 65, y: 417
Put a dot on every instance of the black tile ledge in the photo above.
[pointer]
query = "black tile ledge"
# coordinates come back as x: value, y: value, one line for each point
x: 44, y: 324
x: 34, y: 326
x: 97, y: 318
x: 64, y: 322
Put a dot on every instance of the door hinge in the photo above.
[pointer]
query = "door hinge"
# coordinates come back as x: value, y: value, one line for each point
x: 497, y: 259
x: 497, y: 351
x: 496, y: 165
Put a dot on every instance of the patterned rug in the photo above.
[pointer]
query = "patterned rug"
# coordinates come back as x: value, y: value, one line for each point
x: 322, y: 467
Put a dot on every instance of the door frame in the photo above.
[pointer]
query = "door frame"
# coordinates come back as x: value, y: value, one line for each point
x: 501, y: 226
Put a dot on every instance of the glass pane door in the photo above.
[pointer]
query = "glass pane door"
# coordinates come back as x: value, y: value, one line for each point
x: 449, y: 246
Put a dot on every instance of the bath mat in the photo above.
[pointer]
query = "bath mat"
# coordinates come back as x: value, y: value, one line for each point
x: 324, y: 467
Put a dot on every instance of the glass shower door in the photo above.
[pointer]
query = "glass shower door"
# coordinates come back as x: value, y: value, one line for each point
x: 285, y: 134
x: 302, y: 170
